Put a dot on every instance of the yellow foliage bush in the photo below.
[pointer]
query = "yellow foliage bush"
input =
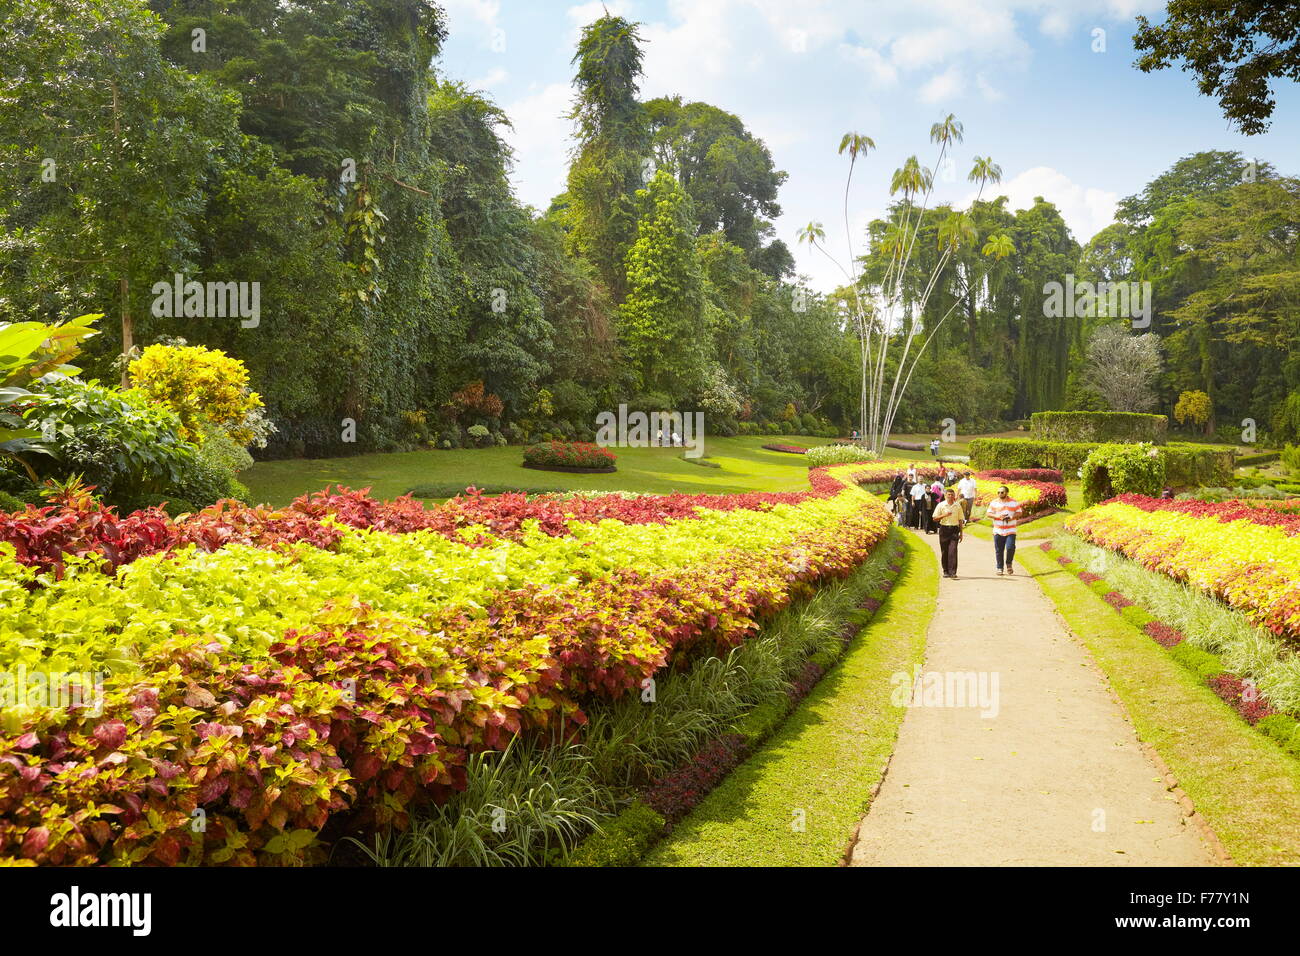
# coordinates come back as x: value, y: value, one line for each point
x: 199, y: 384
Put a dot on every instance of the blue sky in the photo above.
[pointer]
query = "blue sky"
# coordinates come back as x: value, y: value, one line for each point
x: 1081, y: 127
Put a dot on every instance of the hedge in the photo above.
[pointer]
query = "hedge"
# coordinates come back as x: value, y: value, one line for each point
x: 1186, y: 464
x: 1262, y: 458
x: 1099, y: 427
x: 1116, y: 469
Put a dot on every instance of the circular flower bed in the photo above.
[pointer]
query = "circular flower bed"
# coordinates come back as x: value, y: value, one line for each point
x: 569, y: 456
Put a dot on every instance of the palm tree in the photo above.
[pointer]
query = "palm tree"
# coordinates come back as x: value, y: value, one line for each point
x: 914, y: 183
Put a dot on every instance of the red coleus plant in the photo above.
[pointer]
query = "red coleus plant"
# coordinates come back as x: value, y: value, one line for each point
x: 82, y: 527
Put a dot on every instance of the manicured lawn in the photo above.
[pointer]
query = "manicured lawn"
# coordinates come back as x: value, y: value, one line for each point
x: 744, y: 466
x: 1244, y: 785
x: 822, y: 766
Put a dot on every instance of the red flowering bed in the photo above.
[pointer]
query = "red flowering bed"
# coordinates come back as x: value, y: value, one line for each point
x: 1245, y: 555
x: 1271, y: 513
x: 43, y: 536
x: 788, y: 449
x: 565, y: 455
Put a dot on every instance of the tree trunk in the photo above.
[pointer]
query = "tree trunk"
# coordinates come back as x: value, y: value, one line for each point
x: 128, y: 329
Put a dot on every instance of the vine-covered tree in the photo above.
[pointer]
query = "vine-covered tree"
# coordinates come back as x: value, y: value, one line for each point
x: 662, y: 327
x: 612, y: 152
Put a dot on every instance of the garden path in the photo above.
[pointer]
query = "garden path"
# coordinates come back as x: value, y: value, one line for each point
x: 1054, y: 775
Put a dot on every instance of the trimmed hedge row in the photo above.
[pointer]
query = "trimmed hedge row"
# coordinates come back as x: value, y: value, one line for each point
x: 1098, y: 427
x: 1263, y: 458
x: 1186, y: 464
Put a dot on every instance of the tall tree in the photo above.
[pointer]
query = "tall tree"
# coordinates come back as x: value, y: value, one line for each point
x: 609, y: 164
x: 106, y: 151
x: 727, y: 172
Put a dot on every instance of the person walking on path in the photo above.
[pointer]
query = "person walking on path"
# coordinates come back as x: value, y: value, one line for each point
x: 1005, y: 514
x: 966, y: 489
x: 920, y: 516
x: 951, y: 519
x: 897, y: 501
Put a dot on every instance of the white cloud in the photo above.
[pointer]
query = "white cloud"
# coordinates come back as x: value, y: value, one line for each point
x: 541, y: 138
x: 1055, y: 24
x: 480, y: 17
x: 943, y: 88
x: 493, y: 78
x: 987, y: 90
x: 1086, y: 210
x: 879, y: 70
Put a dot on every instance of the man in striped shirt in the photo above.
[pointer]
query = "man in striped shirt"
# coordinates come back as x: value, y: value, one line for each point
x: 1004, y: 511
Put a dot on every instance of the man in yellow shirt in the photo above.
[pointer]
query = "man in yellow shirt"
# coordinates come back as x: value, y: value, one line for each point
x: 950, y: 517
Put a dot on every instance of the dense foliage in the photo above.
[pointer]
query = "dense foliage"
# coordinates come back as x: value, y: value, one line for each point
x: 1117, y: 469
x: 1186, y: 464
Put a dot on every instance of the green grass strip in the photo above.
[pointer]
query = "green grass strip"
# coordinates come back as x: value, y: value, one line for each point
x: 819, y: 770
x: 1244, y: 786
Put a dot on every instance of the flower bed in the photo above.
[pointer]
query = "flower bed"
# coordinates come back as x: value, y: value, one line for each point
x: 44, y: 537
x: 788, y: 449
x: 1247, y: 556
x: 569, y: 456
x: 273, y: 669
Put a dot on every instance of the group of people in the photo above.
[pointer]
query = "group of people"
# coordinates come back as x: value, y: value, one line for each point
x: 943, y: 506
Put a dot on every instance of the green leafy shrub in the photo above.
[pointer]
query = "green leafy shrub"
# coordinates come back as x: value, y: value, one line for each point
x: 120, y: 442
x: 1290, y: 458
x: 1111, y: 470
x: 995, y: 453
x: 1099, y: 427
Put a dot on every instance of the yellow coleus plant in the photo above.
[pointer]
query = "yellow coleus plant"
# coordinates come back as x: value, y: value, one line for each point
x: 199, y: 384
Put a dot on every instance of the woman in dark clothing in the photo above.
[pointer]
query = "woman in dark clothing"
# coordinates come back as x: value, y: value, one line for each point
x: 932, y: 501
